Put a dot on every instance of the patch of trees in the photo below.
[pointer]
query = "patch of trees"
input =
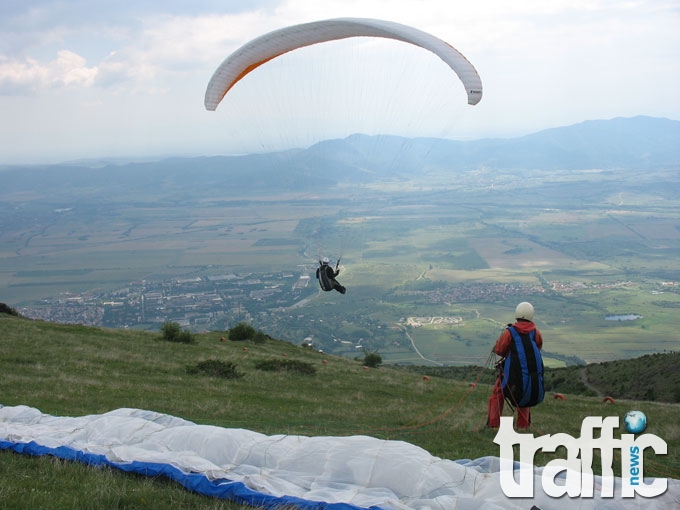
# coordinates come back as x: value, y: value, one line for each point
x: 6, y: 309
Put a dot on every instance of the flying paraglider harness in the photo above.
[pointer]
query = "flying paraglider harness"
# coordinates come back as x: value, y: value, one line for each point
x: 326, y: 275
x: 521, y: 371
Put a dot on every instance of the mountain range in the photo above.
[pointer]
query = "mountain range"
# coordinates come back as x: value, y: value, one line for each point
x: 637, y: 143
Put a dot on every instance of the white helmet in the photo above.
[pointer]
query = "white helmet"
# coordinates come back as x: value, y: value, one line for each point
x: 525, y: 311
x: 325, y: 260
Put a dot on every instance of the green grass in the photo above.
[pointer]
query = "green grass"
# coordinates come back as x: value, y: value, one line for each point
x: 74, y: 370
x: 48, y: 482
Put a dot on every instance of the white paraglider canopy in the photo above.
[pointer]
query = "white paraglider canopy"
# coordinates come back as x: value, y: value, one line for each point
x: 261, y: 50
x: 330, y: 473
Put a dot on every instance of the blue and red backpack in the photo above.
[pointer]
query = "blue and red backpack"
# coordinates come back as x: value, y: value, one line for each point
x: 522, y: 380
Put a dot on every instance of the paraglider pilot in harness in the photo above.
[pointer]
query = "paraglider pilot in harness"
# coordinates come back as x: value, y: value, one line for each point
x: 326, y: 276
x: 519, y: 379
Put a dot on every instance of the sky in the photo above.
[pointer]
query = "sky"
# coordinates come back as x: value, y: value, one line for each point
x: 126, y: 79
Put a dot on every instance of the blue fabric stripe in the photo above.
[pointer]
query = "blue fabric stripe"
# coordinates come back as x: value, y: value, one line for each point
x: 195, y: 482
x: 522, y: 358
x: 523, y: 367
x: 519, y: 345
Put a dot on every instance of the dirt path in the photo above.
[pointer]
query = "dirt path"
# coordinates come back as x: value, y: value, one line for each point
x: 584, y: 379
x: 413, y: 344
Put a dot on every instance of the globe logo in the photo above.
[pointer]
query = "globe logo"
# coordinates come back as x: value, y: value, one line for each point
x: 635, y: 422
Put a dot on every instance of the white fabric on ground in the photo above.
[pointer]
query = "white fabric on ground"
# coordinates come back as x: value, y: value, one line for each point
x: 357, y: 470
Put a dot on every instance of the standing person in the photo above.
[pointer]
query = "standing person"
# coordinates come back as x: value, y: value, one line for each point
x: 326, y: 276
x: 521, y: 380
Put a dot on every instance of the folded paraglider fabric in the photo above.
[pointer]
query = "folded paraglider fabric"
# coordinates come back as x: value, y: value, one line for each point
x: 334, y: 473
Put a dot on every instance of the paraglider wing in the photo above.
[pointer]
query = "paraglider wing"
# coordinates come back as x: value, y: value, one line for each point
x: 273, y: 44
x: 355, y: 472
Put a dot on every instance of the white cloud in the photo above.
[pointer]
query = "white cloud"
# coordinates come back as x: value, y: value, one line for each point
x: 28, y: 75
x: 71, y: 69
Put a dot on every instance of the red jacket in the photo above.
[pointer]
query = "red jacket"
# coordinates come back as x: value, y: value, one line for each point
x: 502, y: 347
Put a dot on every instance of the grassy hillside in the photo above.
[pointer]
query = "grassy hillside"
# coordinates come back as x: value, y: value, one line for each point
x: 653, y: 377
x: 74, y: 370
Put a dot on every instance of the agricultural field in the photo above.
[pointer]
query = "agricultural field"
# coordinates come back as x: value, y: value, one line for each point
x: 581, y: 246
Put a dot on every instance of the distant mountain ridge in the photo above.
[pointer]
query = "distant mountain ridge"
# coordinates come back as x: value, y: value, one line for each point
x: 636, y: 143
x: 628, y: 143
x: 621, y: 142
